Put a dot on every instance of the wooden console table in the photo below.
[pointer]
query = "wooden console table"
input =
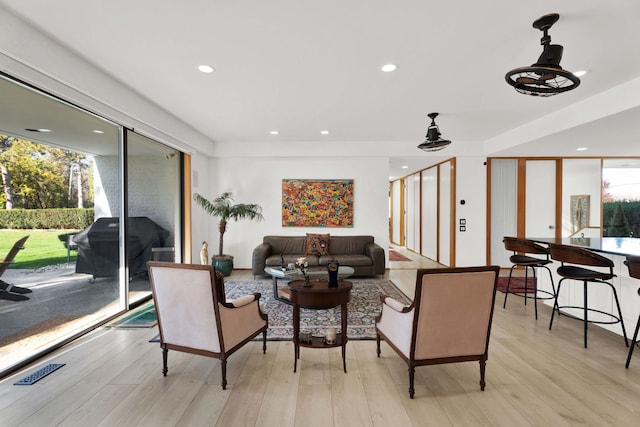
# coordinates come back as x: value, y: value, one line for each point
x: 315, y: 297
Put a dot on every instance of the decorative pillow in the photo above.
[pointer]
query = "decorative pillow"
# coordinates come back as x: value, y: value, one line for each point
x: 317, y: 244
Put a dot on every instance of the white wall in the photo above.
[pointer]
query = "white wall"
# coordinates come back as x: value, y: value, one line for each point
x: 430, y: 213
x: 445, y: 215
x: 259, y: 180
x: 37, y: 59
x: 153, y: 190
x: 397, y: 213
x: 581, y: 176
x: 202, y: 226
x: 471, y: 178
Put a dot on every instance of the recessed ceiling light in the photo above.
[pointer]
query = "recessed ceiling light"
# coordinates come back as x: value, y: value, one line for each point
x: 405, y: 167
x: 274, y: 132
x: 324, y: 132
x: 206, y: 68
x: 582, y: 149
x: 38, y: 130
x: 97, y: 131
x: 580, y: 73
x: 44, y: 130
x: 387, y: 68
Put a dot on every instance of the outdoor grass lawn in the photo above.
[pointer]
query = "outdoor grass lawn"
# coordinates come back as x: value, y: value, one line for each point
x: 43, y: 247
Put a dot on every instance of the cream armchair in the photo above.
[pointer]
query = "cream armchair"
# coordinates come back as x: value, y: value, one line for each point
x: 449, y: 320
x: 194, y: 317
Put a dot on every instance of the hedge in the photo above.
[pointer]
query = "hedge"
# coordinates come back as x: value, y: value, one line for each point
x: 46, y: 219
x: 621, y: 218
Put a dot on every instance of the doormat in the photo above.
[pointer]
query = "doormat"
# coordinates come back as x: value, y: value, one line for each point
x: 397, y: 256
x: 40, y: 374
x: 142, y: 317
x: 363, y: 308
x: 517, y: 285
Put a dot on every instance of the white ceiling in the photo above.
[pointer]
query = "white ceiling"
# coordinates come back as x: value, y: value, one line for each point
x: 304, y: 66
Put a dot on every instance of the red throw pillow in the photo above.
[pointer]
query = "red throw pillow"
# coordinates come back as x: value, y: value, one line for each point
x: 317, y: 244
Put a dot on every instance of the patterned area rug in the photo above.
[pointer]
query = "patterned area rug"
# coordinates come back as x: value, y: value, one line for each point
x: 363, y: 308
x: 517, y: 285
x: 397, y: 256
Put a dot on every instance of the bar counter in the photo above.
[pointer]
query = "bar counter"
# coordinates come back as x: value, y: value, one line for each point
x: 621, y: 246
x: 616, y: 249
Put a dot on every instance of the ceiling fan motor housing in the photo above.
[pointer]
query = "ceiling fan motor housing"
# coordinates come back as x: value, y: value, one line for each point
x: 550, y: 57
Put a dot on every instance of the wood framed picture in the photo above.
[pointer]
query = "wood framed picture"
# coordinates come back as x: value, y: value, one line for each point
x: 579, y: 212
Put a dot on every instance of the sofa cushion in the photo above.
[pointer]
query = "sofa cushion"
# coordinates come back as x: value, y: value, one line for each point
x: 274, y: 260
x: 292, y: 245
x: 317, y: 244
x: 350, y: 244
x: 353, y: 260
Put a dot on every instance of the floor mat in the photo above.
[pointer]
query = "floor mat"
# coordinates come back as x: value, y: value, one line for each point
x: 143, y: 317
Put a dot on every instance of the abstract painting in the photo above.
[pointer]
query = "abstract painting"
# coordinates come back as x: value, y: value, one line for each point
x: 317, y: 203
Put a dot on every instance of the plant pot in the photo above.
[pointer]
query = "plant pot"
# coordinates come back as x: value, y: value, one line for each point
x: 224, y: 265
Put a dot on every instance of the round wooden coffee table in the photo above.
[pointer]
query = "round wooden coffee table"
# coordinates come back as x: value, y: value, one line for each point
x: 316, y: 296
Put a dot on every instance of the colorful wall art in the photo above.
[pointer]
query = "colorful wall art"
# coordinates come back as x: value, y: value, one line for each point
x: 317, y: 203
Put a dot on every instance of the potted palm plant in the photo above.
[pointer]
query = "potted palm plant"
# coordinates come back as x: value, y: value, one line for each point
x: 224, y: 208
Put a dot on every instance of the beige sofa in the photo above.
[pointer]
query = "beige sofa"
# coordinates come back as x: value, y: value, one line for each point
x: 360, y: 252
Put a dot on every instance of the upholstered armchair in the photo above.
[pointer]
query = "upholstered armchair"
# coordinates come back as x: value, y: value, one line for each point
x: 194, y: 317
x: 449, y: 320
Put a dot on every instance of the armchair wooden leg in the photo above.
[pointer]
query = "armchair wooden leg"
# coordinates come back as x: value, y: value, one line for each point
x: 264, y: 342
x: 378, y: 344
x: 483, y: 363
x: 165, y: 369
x: 412, y: 372
x: 223, y: 366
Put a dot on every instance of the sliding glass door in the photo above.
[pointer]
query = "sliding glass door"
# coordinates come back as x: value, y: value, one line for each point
x: 69, y: 179
x: 153, y: 195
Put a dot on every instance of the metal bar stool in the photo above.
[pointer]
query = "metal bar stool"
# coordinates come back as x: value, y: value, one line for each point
x: 579, y: 257
x: 633, y: 263
x: 520, y: 258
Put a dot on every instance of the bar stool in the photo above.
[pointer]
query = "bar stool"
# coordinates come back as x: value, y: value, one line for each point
x: 580, y: 257
x: 633, y: 263
x: 520, y: 258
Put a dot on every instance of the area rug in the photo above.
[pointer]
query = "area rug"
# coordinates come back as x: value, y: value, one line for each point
x: 517, y: 285
x: 142, y: 317
x: 362, y: 309
x: 397, y: 256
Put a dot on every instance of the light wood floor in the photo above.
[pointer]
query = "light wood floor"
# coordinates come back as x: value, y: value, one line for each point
x: 534, y: 377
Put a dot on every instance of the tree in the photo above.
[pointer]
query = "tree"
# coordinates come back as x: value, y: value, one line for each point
x: 606, y: 191
x: 224, y: 208
x: 619, y: 225
x: 5, y: 145
x: 38, y: 176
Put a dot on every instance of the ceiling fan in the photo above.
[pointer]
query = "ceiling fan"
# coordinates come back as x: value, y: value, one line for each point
x: 433, y: 141
x: 546, y: 77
